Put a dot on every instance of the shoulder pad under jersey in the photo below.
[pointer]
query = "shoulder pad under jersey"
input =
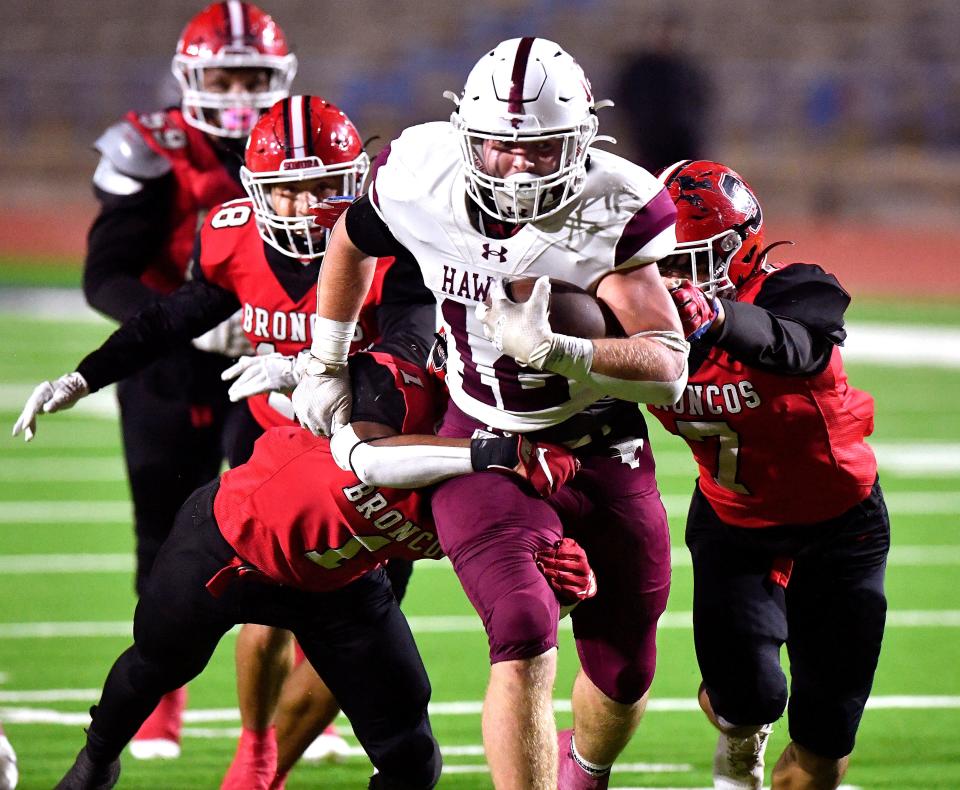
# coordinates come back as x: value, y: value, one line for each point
x: 124, y: 147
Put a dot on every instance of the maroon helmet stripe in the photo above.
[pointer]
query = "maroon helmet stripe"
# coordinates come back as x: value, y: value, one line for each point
x: 515, y: 102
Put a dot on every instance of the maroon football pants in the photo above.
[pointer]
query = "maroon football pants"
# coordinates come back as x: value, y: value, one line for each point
x: 490, y: 525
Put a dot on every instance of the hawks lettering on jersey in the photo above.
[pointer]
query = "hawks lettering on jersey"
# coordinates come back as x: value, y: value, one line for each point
x: 201, y: 182
x: 277, y: 315
x: 301, y: 520
x: 623, y: 218
x: 772, y: 448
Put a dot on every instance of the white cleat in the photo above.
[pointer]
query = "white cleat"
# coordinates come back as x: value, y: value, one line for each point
x: 154, y: 749
x: 328, y: 747
x: 738, y: 762
x: 8, y: 765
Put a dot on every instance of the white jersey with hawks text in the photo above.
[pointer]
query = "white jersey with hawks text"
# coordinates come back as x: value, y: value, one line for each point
x: 623, y: 218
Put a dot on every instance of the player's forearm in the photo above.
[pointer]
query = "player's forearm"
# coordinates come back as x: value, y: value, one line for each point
x: 780, y: 345
x: 175, y: 319
x: 647, y: 368
x: 345, y: 278
x: 418, y: 460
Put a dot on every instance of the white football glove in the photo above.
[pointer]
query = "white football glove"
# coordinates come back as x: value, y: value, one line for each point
x: 522, y: 330
x: 322, y: 399
x: 519, y: 329
x: 264, y: 373
x: 47, y: 398
x: 225, y: 338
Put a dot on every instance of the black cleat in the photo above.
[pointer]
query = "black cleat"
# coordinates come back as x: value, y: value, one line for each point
x: 85, y: 774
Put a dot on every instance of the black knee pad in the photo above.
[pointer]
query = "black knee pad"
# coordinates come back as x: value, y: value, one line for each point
x: 751, y: 693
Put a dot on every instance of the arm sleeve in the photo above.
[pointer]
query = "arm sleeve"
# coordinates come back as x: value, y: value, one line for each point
x: 126, y: 233
x: 407, y: 331
x: 370, y: 233
x: 792, y: 326
x: 406, y: 314
x: 189, y: 311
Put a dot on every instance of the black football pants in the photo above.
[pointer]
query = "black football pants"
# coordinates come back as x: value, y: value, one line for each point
x: 172, y: 415
x: 830, y: 616
x: 355, y: 637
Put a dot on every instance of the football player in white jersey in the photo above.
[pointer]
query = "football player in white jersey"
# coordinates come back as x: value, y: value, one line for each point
x: 511, y: 187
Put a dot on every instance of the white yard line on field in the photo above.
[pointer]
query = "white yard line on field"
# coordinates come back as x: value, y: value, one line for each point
x: 906, y: 459
x: 31, y: 715
x: 435, y: 624
x: 918, y: 459
x: 902, y: 346
x: 33, y: 511
x: 24, y: 564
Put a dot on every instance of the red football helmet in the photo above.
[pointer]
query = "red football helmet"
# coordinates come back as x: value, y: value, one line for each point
x: 231, y: 35
x: 300, y: 139
x: 719, y: 226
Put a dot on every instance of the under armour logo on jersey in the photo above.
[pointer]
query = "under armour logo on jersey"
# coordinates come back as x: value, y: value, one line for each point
x: 628, y: 451
x: 501, y: 253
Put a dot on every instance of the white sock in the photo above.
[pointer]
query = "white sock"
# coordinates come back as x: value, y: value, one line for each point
x: 591, y: 768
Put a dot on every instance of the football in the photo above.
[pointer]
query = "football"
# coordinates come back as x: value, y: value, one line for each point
x: 573, y: 311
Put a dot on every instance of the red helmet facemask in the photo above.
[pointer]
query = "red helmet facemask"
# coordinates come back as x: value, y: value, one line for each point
x: 719, y: 226
x: 231, y: 36
x: 301, y: 139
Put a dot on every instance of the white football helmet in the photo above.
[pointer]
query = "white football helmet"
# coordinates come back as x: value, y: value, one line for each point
x: 526, y: 90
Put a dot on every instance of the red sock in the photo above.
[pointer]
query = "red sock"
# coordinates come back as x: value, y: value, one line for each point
x: 255, y: 763
x: 167, y: 718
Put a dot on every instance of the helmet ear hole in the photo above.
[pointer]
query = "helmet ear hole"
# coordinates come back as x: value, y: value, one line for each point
x: 730, y: 242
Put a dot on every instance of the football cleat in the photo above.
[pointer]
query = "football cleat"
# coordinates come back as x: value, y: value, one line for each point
x: 159, y: 736
x: 738, y: 762
x: 329, y: 746
x: 85, y: 774
x: 254, y: 765
x: 154, y: 749
x: 8, y: 764
x: 571, y: 773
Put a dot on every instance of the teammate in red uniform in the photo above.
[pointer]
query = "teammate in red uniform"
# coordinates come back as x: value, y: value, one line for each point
x: 787, y: 528
x: 158, y: 174
x: 258, y: 545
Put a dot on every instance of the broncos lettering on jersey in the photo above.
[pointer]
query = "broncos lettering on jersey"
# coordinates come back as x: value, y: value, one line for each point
x: 623, y: 218
x: 299, y: 519
x: 277, y: 294
x: 774, y: 448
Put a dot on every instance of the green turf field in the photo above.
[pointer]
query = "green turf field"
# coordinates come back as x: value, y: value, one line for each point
x: 65, y: 580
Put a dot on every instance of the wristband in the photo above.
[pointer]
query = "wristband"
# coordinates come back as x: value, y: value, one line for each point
x: 331, y: 343
x: 494, y: 451
x: 570, y: 356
